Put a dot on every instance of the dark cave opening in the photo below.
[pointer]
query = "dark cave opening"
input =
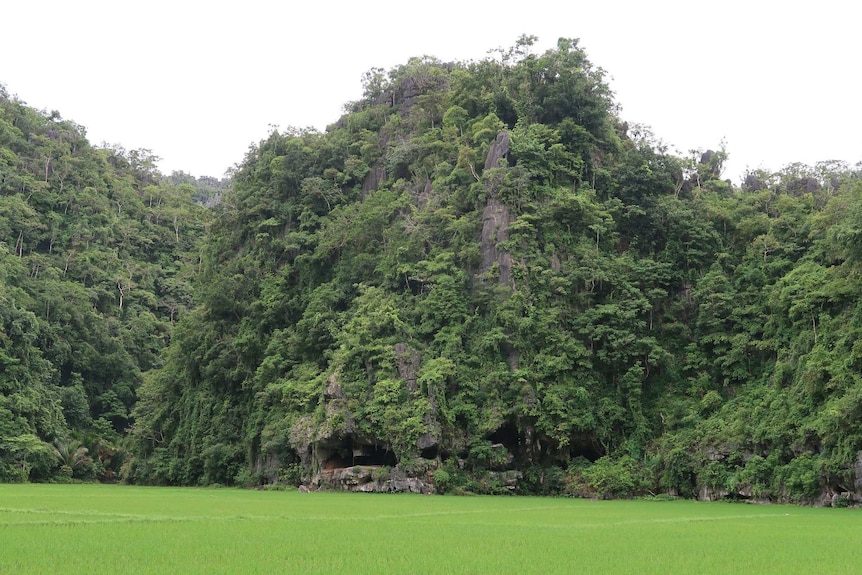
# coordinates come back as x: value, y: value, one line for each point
x: 335, y: 461
x: 507, y: 434
x: 586, y: 449
x: 373, y: 455
x: 341, y: 452
x: 430, y: 452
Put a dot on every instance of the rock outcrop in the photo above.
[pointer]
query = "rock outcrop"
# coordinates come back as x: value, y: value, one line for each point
x: 496, y: 218
x: 408, y: 361
x: 373, y: 180
x: 499, y: 150
x: 370, y: 479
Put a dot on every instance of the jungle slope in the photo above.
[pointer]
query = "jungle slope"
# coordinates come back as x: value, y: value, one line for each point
x: 97, y: 255
x: 480, y: 278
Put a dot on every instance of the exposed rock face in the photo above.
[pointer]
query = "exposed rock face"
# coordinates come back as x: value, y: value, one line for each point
x: 710, y: 494
x: 372, y: 180
x: 407, y: 93
x: 426, y: 440
x: 407, y: 485
x: 268, y: 468
x: 496, y: 217
x: 499, y: 150
x: 506, y: 479
x: 335, y: 442
x: 753, y: 183
x: 370, y: 479
x: 344, y: 478
x: 495, y: 230
x: 802, y: 186
x: 408, y: 361
x: 495, y: 225
x: 333, y: 389
x: 858, y: 469
x: 711, y: 160
x: 301, y: 436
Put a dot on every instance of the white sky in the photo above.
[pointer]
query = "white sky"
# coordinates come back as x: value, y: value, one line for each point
x: 198, y: 82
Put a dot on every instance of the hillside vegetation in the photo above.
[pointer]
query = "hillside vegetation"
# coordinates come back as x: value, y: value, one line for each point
x: 97, y: 252
x: 480, y: 278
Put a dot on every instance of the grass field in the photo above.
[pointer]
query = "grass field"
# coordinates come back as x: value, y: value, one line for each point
x: 118, y: 529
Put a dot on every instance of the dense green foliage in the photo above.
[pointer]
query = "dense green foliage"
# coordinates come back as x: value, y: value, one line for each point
x: 96, y: 257
x: 480, y: 269
x: 106, y: 529
x: 479, y: 277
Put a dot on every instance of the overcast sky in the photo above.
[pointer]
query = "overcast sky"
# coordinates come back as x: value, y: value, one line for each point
x: 198, y: 82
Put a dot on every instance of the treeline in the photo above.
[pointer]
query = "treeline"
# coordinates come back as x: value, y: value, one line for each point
x: 97, y: 254
x: 481, y: 278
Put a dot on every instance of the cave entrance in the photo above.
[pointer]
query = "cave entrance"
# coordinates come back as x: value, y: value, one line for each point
x: 373, y: 455
x: 335, y: 461
x: 587, y: 453
x: 341, y: 452
x: 585, y: 446
x: 507, y: 435
x: 430, y: 452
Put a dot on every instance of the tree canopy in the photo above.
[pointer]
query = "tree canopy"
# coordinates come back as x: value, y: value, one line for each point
x: 97, y: 256
x: 480, y: 277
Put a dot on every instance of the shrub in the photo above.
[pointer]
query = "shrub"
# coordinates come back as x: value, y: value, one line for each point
x: 621, y: 477
x: 456, y: 481
x: 677, y: 472
x: 485, y: 455
x: 576, y: 485
x: 800, y: 478
x: 542, y: 480
x: 441, y: 480
x: 757, y: 474
x: 381, y: 473
x: 713, y: 475
x: 415, y: 466
x: 291, y: 474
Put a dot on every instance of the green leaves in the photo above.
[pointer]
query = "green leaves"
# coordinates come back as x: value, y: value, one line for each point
x: 683, y: 333
x: 96, y: 254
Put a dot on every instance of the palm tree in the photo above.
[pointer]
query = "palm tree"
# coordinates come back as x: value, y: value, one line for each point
x: 71, y: 454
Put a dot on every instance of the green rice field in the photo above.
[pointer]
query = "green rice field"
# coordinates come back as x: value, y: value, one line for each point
x: 120, y: 529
